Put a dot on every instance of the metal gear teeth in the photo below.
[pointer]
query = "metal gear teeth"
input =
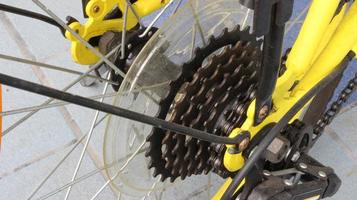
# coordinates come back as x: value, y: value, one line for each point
x: 195, y: 163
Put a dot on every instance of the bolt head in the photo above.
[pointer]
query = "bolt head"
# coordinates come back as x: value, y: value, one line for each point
x: 266, y: 173
x: 130, y: 46
x: 96, y: 9
x: 263, y: 112
x: 295, y: 157
x: 302, y: 165
x: 322, y: 174
x: 244, y: 144
x: 288, y: 182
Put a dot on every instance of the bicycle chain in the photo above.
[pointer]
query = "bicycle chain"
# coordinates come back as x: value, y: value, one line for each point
x: 211, y: 97
x: 335, y: 106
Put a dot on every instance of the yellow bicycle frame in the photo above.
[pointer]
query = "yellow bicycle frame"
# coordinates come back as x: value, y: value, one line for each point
x: 323, y: 42
x: 97, y: 25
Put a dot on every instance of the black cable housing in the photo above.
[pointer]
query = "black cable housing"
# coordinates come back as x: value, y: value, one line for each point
x: 121, y: 112
x: 30, y: 14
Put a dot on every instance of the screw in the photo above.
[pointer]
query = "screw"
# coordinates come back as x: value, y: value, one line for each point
x: 266, y: 173
x: 244, y: 144
x: 96, y: 9
x: 295, y: 157
x: 302, y: 165
x: 263, y: 112
x: 130, y: 46
x: 288, y: 182
x: 322, y: 174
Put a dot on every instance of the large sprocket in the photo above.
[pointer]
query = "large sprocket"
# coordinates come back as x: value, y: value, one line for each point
x: 211, y: 93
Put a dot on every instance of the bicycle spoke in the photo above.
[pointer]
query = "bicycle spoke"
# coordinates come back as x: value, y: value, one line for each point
x: 193, y: 40
x: 245, y: 19
x: 176, y: 7
x: 89, y: 46
x: 209, y: 185
x: 78, y: 180
x: 120, y: 170
x: 52, y: 105
x: 23, y: 119
x: 123, y: 46
x: 53, y: 67
x: 36, y: 159
x: 62, y: 160
x: 63, y: 103
x: 78, y: 37
x: 88, y: 140
x: 198, y: 24
x: 297, y: 18
x: 161, y: 193
x: 55, y: 168
x: 135, y: 13
x: 84, y: 177
x: 156, y: 18
x: 119, y: 196
x: 151, y: 189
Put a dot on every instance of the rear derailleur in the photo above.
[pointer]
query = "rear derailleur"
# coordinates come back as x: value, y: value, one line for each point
x: 307, y: 179
x: 286, y: 171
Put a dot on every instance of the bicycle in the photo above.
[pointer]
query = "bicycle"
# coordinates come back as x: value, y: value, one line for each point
x: 227, y: 104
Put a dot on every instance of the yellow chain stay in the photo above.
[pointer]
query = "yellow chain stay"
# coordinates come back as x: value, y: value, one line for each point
x: 97, y: 25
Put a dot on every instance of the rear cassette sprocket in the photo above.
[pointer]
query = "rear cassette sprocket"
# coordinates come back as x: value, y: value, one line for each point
x: 211, y: 93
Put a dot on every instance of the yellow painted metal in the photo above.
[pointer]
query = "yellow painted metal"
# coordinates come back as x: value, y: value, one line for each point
x: 329, y: 32
x: 234, y: 162
x: 306, y: 45
x: 354, y: 49
x: 96, y: 25
x: 317, y: 197
x: 343, y: 39
x: 224, y: 187
x: 316, y: 22
x: 146, y: 7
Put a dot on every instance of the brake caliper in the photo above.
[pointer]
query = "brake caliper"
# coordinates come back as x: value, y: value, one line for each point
x: 103, y: 16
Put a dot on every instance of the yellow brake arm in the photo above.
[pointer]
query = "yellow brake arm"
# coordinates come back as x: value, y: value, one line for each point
x: 96, y: 24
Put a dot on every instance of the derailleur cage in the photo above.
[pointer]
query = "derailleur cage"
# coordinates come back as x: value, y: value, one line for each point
x: 312, y: 180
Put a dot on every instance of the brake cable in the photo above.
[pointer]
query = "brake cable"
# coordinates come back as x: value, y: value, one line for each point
x: 121, y: 112
x: 30, y: 14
